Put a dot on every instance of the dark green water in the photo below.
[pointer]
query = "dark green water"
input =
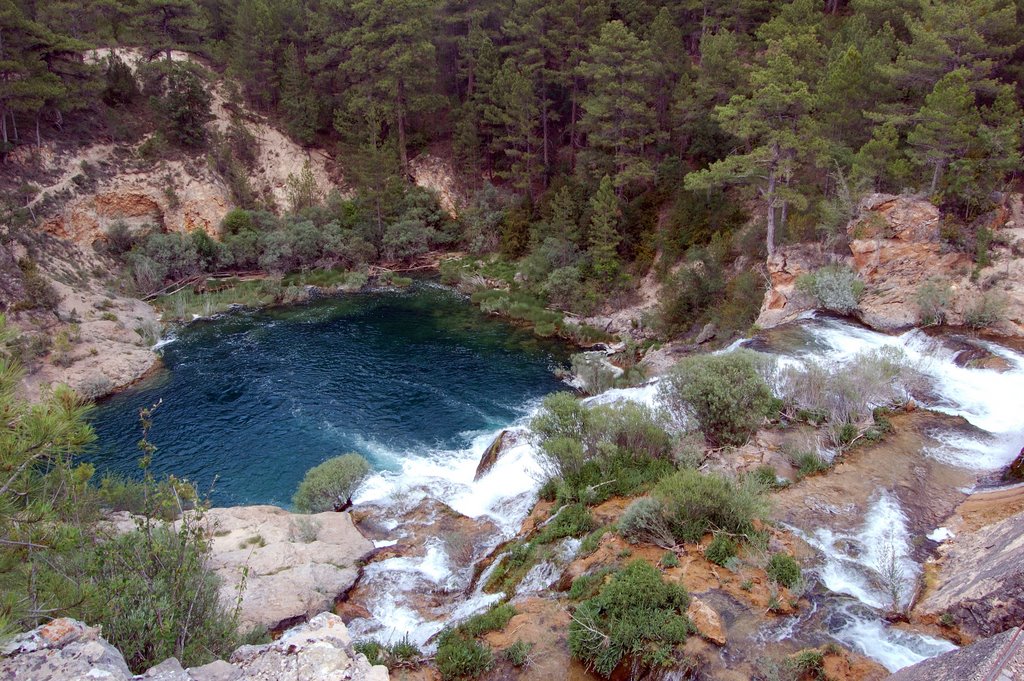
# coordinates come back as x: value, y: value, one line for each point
x: 252, y: 400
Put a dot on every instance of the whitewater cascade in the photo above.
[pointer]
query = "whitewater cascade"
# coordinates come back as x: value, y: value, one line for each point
x: 986, y: 398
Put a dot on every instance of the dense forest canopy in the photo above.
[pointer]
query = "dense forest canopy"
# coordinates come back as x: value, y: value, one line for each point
x: 581, y: 120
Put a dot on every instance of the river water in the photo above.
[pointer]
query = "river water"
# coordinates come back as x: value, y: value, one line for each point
x: 251, y: 400
x: 421, y: 383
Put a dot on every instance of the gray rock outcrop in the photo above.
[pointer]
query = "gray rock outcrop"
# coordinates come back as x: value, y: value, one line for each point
x: 290, y: 566
x: 981, y: 579
x: 999, y: 658
x: 68, y: 650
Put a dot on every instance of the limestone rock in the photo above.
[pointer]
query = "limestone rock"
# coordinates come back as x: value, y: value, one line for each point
x: 980, y: 581
x: 62, y: 649
x: 895, y: 246
x: 490, y: 455
x: 708, y: 623
x: 320, y: 649
x: 782, y: 302
x: 976, y: 662
x: 707, y: 333
x: 68, y: 650
x: 297, y: 564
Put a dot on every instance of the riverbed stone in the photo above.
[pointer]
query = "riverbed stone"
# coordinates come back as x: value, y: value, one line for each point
x: 706, y: 619
x: 289, y: 566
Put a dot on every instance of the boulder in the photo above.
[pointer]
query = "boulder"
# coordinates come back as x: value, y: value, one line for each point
x: 68, y: 650
x: 999, y: 658
x: 980, y: 580
x: 1015, y: 471
x: 319, y: 650
x: 490, y: 455
x: 706, y: 619
x: 782, y: 301
x: 62, y: 649
x: 296, y: 565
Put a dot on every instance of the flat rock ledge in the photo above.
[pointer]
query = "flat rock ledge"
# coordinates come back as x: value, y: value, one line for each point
x: 290, y: 566
x: 68, y: 650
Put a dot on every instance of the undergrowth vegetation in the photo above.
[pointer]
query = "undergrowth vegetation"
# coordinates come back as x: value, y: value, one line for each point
x: 150, y: 588
x: 636, y: 619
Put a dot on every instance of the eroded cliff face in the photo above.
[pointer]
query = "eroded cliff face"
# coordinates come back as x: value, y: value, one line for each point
x: 896, y: 247
x: 176, y: 194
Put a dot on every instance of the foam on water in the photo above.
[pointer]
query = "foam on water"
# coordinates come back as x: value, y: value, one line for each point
x: 893, y: 648
x: 863, y: 565
x: 986, y: 398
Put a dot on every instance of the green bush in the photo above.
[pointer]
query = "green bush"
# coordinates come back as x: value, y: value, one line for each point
x: 986, y: 310
x: 158, y: 599
x: 636, y: 615
x: 570, y: 521
x: 721, y: 549
x: 495, y: 619
x: 724, y: 394
x: 933, y: 298
x: 809, y: 463
x: 694, y: 504
x: 783, y: 569
x: 459, y: 657
x: 329, y: 486
x: 644, y: 521
x: 39, y: 292
x: 835, y: 287
x: 516, y: 562
x: 518, y: 653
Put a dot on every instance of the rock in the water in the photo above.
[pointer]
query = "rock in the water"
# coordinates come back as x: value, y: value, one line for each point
x: 980, y: 582
x: 977, y: 662
x: 297, y: 564
x: 707, y: 333
x: 1015, y: 471
x: 708, y: 623
x: 490, y: 455
x: 59, y: 650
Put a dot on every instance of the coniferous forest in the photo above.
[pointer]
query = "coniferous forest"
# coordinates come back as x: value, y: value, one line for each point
x: 575, y: 126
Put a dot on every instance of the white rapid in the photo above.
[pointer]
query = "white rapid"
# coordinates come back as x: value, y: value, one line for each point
x: 988, y: 399
x: 855, y: 564
x: 504, y: 496
x: 871, y: 567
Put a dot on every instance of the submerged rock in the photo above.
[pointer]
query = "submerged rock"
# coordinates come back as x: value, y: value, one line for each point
x: 297, y: 565
x: 66, y: 649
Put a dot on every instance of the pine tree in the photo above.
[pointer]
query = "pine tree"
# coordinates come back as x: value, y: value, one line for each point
x: 603, y: 235
x: 948, y: 123
x: 514, y: 115
x: 390, y: 63
x: 619, y: 116
x: 166, y: 24
x: 775, y: 123
x: 975, y: 35
x: 298, y: 101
